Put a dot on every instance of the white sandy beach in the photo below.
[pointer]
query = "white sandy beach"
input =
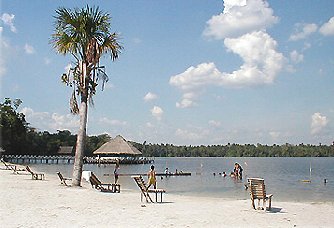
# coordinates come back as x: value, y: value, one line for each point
x: 31, y: 203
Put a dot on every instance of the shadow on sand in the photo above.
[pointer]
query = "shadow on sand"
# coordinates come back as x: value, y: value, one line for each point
x: 276, y: 210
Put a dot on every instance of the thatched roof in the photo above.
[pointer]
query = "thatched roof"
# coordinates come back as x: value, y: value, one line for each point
x: 65, y: 150
x: 116, y: 147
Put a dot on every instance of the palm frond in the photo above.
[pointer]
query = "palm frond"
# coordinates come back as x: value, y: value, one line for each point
x: 102, y: 76
x: 74, y: 108
x: 112, y: 46
x: 85, y: 34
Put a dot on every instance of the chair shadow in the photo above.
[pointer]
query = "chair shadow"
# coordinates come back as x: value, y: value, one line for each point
x: 164, y: 202
x: 143, y: 204
x: 276, y: 210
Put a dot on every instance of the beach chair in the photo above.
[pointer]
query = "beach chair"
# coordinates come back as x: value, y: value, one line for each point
x: 9, y: 167
x: 103, y: 187
x: 63, y: 179
x: 257, y: 190
x: 35, y: 176
x: 14, y: 168
x: 145, y: 192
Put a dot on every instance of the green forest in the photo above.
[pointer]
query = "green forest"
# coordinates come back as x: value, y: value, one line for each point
x: 19, y: 138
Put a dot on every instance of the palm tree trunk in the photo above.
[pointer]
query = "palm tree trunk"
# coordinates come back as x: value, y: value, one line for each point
x: 80, y: 145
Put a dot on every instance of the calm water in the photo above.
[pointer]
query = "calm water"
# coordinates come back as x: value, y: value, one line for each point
x: 282, y: 176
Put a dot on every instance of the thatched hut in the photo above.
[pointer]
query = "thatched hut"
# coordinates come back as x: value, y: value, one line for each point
x: 117, y: 147
x: 65, y: 151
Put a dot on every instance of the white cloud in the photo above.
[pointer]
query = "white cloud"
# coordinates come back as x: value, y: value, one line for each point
x: 240, y: 17
x: 242, y: 26
x: 8, y: 19
x: 303, y: 31
x: 185, y: 103
x: 189, y: 135
x: 51, y: 121
x: 157, y: 112
x: 150, y: 96
x: 261, y: 60
x: 327, y: 29
x: 196, y: 77
x: 261, y: 65
x: 29, y: 49
x: 111, y: 122
x: 274, y: 134
x: 296, y: 57
x: 188, y: 100
x: 306, y: 46
x: 28, y: 112
x: 62, y: 122
x: 319, y: 122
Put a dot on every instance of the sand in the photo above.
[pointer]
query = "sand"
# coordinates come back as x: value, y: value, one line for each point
x: 30, y: 203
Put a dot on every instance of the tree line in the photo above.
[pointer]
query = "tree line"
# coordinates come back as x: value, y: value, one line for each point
x: 19, y: 138
x: 236, y: 150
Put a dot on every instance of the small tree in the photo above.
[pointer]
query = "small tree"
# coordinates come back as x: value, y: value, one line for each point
x: 85, y: 34
x: 13, y: 127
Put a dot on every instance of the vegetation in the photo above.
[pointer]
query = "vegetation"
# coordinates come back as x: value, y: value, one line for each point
x: 19, y: 138
x: 236, y: 150
x: 12, y: 126
x: 85, y: 34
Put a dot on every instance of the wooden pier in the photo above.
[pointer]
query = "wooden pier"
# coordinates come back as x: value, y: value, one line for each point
x: 38, y: 159
x: 34, y: 159
x: 120, y: 160
x: 157, y: 174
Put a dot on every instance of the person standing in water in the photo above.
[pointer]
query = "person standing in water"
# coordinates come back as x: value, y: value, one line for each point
x: 240, y: 171
x: 237, y: 171
x: 151, y: 178
x: 116, y: 174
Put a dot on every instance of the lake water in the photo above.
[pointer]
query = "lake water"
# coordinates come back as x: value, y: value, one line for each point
x: 282, y: 176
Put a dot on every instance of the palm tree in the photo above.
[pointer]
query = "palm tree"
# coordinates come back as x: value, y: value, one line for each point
x: 85, y: 34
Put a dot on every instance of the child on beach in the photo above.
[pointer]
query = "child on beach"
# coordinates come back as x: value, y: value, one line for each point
x: 152, y: 178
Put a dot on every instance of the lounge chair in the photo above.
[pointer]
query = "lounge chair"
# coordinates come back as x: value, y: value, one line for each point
x: 145, y: 192
x: 9, y: 167
x: 257, y: 190
x: 63, y: 179
x: 103, y: 187
x: 13, y: 168
x: 35, y: 176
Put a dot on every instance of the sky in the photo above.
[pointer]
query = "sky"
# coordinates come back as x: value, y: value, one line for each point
x: 192, y: 72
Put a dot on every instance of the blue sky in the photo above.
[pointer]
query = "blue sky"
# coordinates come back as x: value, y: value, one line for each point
x: 192, y: 71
